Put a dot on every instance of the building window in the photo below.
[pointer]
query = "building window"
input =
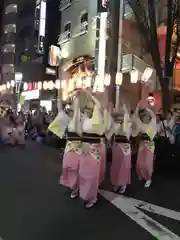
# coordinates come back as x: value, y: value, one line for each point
x: 12, y: 8
x: 8, y: 48
x: 67, y: 27
x: 10, y: 28
x: 84, y: 22
x: 64, y: 4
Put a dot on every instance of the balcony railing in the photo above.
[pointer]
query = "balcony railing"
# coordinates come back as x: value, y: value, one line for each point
x: 82, y: 29
x: 64, y: 37
x: 64, y: 4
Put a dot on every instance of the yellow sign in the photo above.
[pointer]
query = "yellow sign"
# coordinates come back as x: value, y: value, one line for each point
x: 22, y: 99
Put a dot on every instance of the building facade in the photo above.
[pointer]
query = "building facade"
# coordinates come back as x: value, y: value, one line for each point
x: 84, y: 41
x: 26, y: 36
x: 79, y: 38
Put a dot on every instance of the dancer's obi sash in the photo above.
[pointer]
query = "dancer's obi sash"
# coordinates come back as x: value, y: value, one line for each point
x: 147, y: 144
x: 124, y: 144
x: 91, y: 145
x: 73, y: 146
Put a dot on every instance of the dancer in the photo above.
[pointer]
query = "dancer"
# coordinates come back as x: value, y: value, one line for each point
x: 73, y: 150
x: 121, y: 153
x: 92, y: 164
x: 146, y: 121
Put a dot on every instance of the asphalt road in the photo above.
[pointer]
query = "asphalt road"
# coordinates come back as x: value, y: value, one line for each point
x: 34, y: 207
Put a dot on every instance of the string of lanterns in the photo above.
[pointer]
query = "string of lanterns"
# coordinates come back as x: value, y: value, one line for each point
x: 79, y: 82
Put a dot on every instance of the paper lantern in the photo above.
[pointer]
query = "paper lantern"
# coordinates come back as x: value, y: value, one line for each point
x: 4, y: 87
x: 45, y: 85
x: 25, y: 87
x: 8, y: 85
x: 12, y: 83
x: 107, y: 79
x: 50, y: 85
x: 57, y: 84
x: 147, y: 74
x: 119, y: 78
x: 39, y: 85
x: 134, y: 76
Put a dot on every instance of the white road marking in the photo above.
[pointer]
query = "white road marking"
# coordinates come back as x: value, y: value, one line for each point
x: 131, y: 207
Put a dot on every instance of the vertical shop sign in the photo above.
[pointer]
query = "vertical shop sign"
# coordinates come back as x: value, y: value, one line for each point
x: 42, y: 26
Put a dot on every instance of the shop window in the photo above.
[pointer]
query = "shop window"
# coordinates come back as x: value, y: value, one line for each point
x: 84, y: 22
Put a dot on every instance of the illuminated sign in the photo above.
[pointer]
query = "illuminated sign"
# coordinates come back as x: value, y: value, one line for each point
x: 42, y: 26
x: 24, y: 58
x: 50, y: 71
x: 29, y: 95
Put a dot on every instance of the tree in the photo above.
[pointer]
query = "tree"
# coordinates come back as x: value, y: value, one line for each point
x: 145, y: 15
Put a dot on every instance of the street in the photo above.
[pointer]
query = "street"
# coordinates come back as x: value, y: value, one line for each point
x: 33, y: 206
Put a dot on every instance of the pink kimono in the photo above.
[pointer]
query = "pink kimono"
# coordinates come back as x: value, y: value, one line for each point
x: 121, y: 164
x: 91, y: 170
x: 84, y: 168
x: 71, y: 162
x: 145, y: 160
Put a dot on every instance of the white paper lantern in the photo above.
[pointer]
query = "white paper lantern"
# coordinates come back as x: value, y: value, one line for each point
x: 45, y: 85
x: 0, y: 88
x: 119, y: 78
x: 134, y: 76
x: 57, y: 84
x: 40, y: 85
x: 12, y: 83
x: 8, y: 85
x: 25, y: 86
x: 107, y: 79
x: 4, y: 87
x: 50, y: 85
x: 147, y: 74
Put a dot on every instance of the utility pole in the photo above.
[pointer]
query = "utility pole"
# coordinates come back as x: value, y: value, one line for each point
x: 113, y: 46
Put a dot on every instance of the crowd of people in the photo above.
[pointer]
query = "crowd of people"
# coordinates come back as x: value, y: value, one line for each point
x: 15, y: 128
x: 88, y: 125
